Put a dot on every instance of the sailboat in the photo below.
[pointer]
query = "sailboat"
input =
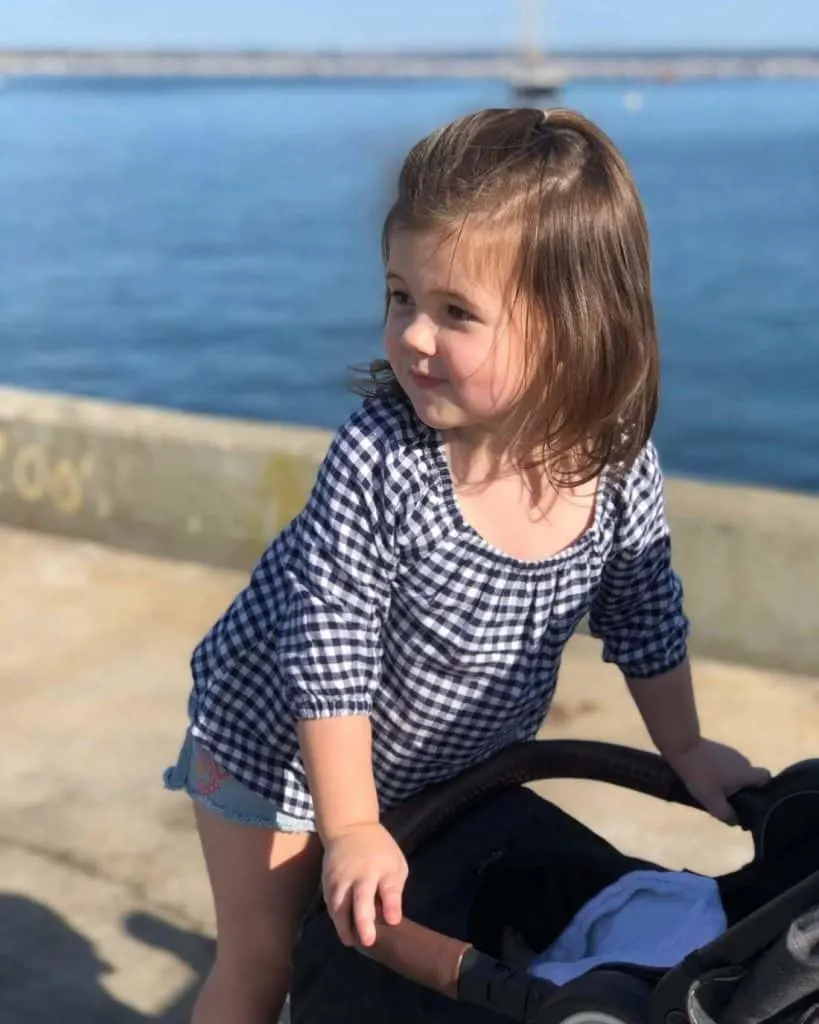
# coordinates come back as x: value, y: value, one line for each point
x: 534, y: 78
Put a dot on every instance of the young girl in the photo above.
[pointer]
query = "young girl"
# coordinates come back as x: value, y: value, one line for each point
x: 497, y: 484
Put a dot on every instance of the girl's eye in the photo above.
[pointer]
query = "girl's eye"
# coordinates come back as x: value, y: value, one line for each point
x: 400, y: 298
x: 458, y: 313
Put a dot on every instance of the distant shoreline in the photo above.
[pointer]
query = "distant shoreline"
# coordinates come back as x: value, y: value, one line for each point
x: 662, y: 66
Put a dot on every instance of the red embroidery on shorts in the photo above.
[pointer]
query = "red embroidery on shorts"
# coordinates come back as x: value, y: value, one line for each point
x: 209, y: 775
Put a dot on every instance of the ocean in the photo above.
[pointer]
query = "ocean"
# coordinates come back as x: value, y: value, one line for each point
x: 214, y: 246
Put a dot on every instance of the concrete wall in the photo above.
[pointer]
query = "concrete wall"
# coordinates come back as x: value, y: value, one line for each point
x: 749, y: 561
x: 161, y: 482
x: 215, y: 490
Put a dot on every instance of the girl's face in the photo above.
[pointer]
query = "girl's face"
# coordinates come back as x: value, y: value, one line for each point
x: 451, y: 342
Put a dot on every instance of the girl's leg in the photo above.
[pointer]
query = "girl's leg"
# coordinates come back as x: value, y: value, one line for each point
x: 262, y: 884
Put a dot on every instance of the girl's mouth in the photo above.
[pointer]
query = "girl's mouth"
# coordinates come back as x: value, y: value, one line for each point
x: 424, y: 381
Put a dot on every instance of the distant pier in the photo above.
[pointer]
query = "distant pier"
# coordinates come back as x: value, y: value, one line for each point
x: 665, y: 67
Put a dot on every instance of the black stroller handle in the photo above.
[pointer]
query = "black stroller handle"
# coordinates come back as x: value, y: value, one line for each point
x: 446, y: 964
x: 642, y: 771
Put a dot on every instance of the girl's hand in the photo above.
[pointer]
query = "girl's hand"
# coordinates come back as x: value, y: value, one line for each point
x: 362, y: 864
x: 712, y: 772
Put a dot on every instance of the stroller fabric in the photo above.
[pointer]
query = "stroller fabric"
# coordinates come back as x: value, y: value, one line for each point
x: 647, y: 918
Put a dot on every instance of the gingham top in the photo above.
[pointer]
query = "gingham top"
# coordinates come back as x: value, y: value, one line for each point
x: 379, y: 599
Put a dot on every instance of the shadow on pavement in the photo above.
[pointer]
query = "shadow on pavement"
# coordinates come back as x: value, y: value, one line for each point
x: 51, y: 974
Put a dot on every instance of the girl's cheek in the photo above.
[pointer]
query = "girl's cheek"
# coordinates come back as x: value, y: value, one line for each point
x: 392, y: 336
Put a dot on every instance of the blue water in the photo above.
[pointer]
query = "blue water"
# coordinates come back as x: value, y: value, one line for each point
x: 214, y: 247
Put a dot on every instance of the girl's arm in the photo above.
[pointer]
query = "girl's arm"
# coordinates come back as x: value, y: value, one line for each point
x: 638, y: 613
x: 328, y: 647
x: 337, y: 755
x: 667, y: 706
x: 363, y: 864
x: 711, y: 771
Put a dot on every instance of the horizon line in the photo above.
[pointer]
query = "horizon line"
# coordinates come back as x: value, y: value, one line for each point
x: 461, y: 53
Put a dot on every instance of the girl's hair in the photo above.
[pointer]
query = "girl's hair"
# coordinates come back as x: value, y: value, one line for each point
x: 557, y: 187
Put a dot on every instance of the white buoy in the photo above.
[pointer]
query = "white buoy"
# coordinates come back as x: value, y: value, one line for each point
x: 633, y: 101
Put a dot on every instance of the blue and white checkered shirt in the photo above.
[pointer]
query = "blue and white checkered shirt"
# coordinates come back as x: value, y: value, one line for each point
x: 379, y: 599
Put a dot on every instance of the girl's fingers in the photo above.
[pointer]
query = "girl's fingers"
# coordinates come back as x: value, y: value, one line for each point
x: 758, y: 777
x: 364, y: 910
x: 339, y: 906
x: 716, y: 803
x: 389, y: 891
x: 750, y: 778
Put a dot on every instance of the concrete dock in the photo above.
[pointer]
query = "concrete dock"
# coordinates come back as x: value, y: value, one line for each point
x: 104, y: 909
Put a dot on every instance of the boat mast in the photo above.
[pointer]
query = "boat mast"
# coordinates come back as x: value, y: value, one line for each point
x: 530, y: 33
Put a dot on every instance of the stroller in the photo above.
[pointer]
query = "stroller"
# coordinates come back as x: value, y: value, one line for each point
x: 496, y: 872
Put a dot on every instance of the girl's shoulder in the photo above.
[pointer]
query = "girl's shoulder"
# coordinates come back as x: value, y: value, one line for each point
x: 634, y: 495
x: 637, y: 481
x: 643, y: 479
x: 384, y: 427
x: 383, y: 450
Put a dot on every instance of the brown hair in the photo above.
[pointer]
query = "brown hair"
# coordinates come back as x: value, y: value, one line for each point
x: 580, y: 270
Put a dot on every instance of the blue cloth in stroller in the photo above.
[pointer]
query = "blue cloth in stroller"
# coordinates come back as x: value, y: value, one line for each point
x: 647, y: 918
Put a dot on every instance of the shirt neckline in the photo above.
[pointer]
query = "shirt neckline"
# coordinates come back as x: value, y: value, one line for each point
x: 581, y: 543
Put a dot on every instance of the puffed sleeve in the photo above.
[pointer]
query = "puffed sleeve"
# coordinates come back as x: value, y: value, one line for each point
x: 638, y: 609
x: 338, y: 573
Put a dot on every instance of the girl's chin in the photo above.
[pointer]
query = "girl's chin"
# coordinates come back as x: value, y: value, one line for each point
x: 437, y: 414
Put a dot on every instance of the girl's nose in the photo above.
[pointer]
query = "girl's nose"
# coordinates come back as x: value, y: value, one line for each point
x: 419, y: 335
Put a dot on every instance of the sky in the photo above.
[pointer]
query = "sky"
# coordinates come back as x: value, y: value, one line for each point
x: 408, y: 24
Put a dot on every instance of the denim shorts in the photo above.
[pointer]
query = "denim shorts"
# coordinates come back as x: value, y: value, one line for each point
x: 197, y: 773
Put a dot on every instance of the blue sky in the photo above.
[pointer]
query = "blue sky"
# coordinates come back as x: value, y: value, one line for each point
x: 434, y: 24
